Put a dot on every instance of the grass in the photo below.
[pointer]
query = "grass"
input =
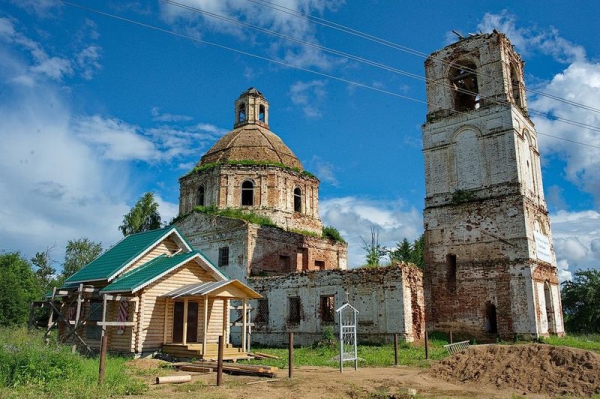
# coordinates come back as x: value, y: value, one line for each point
x: 587, y: 342
x: 30, y: 369
x: 369, y: 355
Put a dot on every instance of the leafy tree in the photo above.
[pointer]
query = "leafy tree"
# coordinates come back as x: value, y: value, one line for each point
x: 18, y: 287
x: 78, y: 254
x: 374, y: 251
x: 143, y: 216
x: 581, y: 302
x: 45, y: 272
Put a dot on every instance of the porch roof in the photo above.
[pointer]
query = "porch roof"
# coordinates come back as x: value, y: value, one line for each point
x: 228, y: 288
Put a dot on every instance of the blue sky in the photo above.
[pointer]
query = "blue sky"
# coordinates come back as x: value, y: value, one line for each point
x: 95, y: 110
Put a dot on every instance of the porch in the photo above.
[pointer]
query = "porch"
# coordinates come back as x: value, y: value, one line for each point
x: 195, y: 351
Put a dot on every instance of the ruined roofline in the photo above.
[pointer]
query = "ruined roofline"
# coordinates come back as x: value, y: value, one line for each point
x: 249, y: 163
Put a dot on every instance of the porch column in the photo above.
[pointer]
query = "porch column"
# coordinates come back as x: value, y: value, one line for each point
x: 225, y: 319
x: 166, y: 320
x: 185, y: 316
x: 244, y: 323
x: 205, y: 325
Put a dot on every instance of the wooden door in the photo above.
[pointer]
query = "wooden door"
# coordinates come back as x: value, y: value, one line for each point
x: 192, y: 322
x: 178, y: 322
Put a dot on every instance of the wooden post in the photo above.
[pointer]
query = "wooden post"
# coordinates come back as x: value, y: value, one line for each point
x: 185, y: 317
x: 78, y: 314
x: 244, y: 323
x: 220, y: 361
x: 103, y: 344
x: 225, y: 319
x: 291, y: 355
x: 395, y: 349
x: 451, y: 336
x: 426, y: 345
x: 50, y: 319
x: 165, y: 331
x: 205, y: 326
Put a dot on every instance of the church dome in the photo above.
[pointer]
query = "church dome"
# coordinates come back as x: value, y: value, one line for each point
x: 251, y: 140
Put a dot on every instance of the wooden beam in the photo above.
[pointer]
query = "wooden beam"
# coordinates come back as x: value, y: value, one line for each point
x: 165, y: 321
x: 185, y: 321
x: 116, y: 323
x: 244, y: 323
x: 225, y: 319
x: 205, y: 326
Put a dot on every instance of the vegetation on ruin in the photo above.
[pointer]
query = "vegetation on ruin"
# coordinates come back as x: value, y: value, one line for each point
x: 581, y: 302
x: 462, y: 196
x: 331, y: 233
x: 31, y: 369
x: 234, y: 213
x: 305, y: 233
x: 249, y: 162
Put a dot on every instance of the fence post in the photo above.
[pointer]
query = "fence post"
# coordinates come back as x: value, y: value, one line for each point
x: 220, y: 362
x: 291, y: 355
x: 395, y: 349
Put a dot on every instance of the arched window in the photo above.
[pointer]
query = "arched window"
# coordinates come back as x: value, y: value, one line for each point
x: 297, y: 200
x: 261, y: 113
x: 242, y: 112
x: 200, y: 196
x: 515, y: 86
x: 248, y: 193
x: 463, y: 80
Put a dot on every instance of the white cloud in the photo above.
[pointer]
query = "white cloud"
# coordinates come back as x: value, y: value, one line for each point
x: 354, y: 217
x: 310, y: 96
x: 533, y: 39
x: 42, y: 8
x: 196, y: 23
x: 166, y: 117
x: 87, y: 59
x: 324, y: 170
x: 576, y: 238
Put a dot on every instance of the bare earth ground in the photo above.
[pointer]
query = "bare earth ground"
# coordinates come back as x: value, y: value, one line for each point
x: 486, y: 371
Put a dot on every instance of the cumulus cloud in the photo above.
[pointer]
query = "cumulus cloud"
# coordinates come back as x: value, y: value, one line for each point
x: 354, y: 218
x: 324, y: 170
x: 42, y: 8
x: 195, y: 18
x: 533, y: 38
x: 576, y: 238
x: 166, y: 117
x: 309, y: 96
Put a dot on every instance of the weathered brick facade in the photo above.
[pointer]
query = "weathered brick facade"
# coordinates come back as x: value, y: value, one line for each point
x: 389, y: 300
x: 490, y: 263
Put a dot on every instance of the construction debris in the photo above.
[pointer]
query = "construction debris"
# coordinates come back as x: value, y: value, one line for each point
x: 229, y: 368
x: 173, y: 379
x: 259, y: 355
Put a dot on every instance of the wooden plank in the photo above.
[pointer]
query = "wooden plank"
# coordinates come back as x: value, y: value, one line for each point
x: 115, y: 323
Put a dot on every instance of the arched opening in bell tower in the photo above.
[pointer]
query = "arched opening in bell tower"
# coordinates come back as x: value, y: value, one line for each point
x: 297, y: 200
x: 549, y: 308
x: 261, y: 113
x: 247, y: 193
x: 241, y: 116
x: 463, y: 81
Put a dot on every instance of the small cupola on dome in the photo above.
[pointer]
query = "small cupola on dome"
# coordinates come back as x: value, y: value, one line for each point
x: 251, y: 108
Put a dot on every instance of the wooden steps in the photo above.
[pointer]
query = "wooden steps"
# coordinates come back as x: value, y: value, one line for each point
x: 229, y: 368
x: 194, y: 351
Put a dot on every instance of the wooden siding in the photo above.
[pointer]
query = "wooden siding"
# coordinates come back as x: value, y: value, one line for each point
x: 167, y: 246
x: 121, y: 342
x: 152, y: 313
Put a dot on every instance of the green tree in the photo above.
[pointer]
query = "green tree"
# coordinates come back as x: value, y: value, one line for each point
x: 581, y: 302
x: 417, y: 255
x: 18, y: 287
x: 78, y: 254
x: 374, y: 251
x: 45, y: 273
x: 402, y: 252
x: 143, y: 216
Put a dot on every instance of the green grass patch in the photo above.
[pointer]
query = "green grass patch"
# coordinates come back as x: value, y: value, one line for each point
x: 249, y: 162
x: 29, y: 368
x: 409, y: 354
x: 587, y: 342
x: 236, y: 213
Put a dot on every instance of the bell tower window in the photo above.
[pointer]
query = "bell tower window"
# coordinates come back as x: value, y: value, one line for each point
x: 242, y: 112
x: 515, y: 86
x: 247, y: 193
x: 200, y: 196
x: 261, y: 113
x: 463, y: 80
x: 297, y: 200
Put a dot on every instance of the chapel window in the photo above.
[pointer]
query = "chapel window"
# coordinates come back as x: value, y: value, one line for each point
x: 463, y: 80
x: 297, y: 200
x: 247, y: 193
x: 200, y: 197
x: 262, y: 311
x: 327, y: 308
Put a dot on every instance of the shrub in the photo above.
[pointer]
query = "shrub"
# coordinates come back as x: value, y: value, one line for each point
x: 332, y: 233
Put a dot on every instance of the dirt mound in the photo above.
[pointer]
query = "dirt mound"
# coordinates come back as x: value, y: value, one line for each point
x: 539, y: 369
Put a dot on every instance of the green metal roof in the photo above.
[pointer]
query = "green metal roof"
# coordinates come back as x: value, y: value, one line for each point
x: 148, y: 272
x: 119, y: 256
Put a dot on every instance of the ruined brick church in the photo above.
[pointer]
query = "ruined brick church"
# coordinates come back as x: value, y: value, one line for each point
x: 490, y: 263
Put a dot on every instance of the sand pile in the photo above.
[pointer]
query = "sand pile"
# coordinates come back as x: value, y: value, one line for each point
x: 540, y: 369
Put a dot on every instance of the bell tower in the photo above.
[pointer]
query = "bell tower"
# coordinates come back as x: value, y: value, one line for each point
x: 251, y: 108
x: 490, y: 264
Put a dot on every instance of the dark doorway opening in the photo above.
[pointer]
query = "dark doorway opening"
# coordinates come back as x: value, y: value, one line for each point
x: 491, y: 322
x: 192, y: 322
